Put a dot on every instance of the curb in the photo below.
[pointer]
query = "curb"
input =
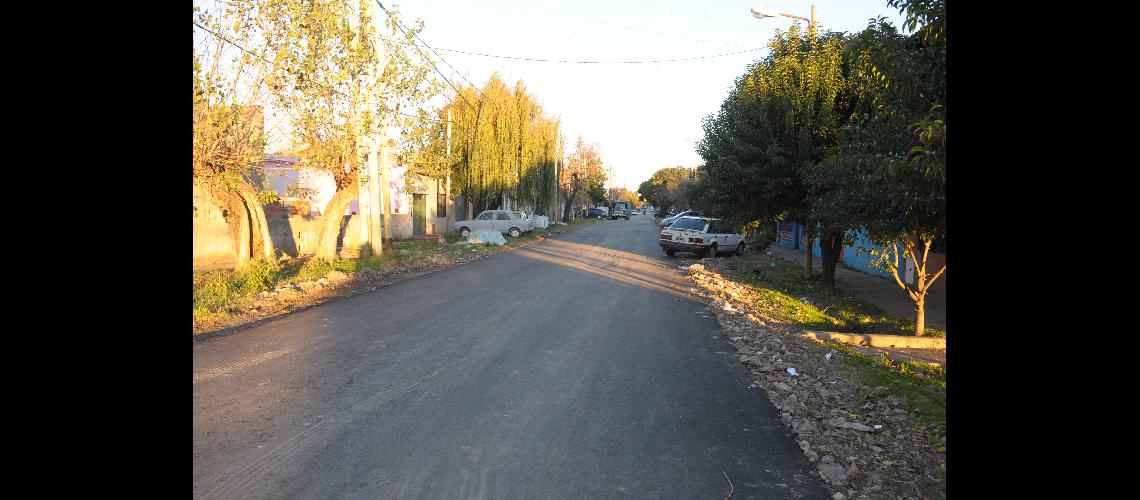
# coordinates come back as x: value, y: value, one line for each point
x: 875, y: 340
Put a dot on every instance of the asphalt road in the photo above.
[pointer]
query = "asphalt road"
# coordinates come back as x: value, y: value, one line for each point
x: 577, y: 368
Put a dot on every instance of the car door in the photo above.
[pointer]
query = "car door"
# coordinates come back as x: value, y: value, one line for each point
x: 485, y: 221
x: 502, y: 221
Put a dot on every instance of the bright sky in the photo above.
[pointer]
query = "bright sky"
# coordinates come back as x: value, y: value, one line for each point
x: 642, y: 117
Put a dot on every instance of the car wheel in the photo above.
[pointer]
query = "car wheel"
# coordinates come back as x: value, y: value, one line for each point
x: 514, y: 232
x: 740, y: 249
x: 712, y: 250
x: 670, y: 252
x: 464, y: 231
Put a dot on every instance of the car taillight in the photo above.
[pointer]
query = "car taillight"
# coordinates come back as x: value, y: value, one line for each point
x: 696, y: 240
x: 664, y: 236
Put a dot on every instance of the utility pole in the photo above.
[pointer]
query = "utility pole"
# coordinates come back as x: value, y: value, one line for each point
x: 449, y: 203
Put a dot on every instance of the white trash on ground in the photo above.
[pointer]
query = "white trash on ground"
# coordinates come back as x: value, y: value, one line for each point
x: 484, y: 236
x: 792, y: 372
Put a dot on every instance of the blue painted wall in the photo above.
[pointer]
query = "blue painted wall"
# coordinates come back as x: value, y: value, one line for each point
x: 853, y: 257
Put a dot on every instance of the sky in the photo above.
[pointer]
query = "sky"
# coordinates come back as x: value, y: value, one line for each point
x: 641, y: 117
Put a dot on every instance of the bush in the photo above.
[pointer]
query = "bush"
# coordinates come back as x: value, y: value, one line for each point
x: 761, y: 240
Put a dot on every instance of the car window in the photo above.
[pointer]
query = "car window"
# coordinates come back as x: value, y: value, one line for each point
x: 715, y: 227
x: 486, y: 216
x: 502, y: 216
x: 694, y: 224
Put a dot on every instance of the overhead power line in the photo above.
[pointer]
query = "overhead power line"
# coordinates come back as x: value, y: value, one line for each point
x: 436, y: 68
x: 600, y: 62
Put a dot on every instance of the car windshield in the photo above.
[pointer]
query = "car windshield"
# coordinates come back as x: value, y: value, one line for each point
x: 689, y: 223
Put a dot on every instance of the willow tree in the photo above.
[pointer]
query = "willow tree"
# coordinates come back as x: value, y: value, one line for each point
x: 504, y: 147
x: 341, y: 81
x: 229, y: 138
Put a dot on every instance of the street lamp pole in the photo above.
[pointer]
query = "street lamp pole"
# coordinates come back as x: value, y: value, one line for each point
x: 764, y: 11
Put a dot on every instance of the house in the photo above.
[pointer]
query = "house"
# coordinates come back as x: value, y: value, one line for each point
x: 858, y: 256
x: 420, y: 206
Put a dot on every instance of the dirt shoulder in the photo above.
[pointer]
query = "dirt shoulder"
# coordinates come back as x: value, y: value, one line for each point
x: 289, y: 298
x: 866, y: 440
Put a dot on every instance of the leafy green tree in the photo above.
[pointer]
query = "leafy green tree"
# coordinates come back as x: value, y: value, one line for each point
x: 339, y: 88
x: 665, y: 189
x: 888, y: 174
x: 772, y: 131
x: 504, y: 147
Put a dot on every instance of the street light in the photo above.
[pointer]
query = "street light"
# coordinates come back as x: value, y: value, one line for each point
x: 764, y: 11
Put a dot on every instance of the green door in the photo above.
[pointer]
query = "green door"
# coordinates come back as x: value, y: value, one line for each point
x: 419, y: 214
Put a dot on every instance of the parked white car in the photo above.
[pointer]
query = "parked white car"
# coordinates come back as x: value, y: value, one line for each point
x: 503, y: 221
x: 702, y: 236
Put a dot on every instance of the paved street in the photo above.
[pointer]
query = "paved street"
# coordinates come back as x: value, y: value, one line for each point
x: 576, y: 368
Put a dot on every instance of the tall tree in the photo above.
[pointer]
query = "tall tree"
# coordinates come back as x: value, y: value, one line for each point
x: 229, y: 139
x: 505, y: 148
x: 338, y: 87
x: 888, y: 174
x: 772, y: 130
x: 584, y: 171
x: 665, y: 189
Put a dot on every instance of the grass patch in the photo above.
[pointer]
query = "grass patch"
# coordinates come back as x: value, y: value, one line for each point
x: 783, y: 291
x: 217, y: 291
x: 575, y: 222
x: 921, y: 385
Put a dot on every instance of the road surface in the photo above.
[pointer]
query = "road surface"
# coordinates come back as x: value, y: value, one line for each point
x: 576, y: 368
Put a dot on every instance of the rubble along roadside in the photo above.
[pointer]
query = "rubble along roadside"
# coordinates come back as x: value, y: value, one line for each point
x: 288, y: 297
x: 865, y: 440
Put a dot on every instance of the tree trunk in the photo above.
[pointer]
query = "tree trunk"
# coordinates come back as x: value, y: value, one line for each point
x: 333, y: 220
x: 807, y: 258
x: 829, y: 247
x: 920, y: 315
x: 237, y: 219
x: 386, y: 207
x: 262, y: 244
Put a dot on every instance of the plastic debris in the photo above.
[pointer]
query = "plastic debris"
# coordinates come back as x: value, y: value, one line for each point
x: 482, y: 236
x: 878, y: 427
x: 828, y: 356
x: 792, y: 372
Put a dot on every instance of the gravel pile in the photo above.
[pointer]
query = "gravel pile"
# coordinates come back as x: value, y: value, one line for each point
x: 862, y: 440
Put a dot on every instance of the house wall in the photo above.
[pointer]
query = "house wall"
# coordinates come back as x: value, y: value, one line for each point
x: 858, y: 254
x: 213, y: 245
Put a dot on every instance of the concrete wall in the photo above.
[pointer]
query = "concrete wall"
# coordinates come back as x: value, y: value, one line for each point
x: 213, y: 246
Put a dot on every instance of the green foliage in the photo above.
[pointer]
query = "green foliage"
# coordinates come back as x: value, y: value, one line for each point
x: 774, y: 126
x: 781, y: 286
x: 667, y: 189
x: 502, y: 142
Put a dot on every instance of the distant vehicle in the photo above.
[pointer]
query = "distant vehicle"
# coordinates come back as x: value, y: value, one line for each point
x: 595, y: 212
x: 673, y: 218
x: 702, y: 236
x: 503, y: 221
x: 619, y: 209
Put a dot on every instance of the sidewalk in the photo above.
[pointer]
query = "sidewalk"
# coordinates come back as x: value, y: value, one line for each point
x: 877, y: 290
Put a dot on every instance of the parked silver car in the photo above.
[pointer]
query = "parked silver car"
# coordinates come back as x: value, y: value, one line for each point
x: 701, y: 235
x: 503, y: 221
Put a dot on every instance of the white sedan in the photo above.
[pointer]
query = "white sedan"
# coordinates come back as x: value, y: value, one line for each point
x: 503, y: 221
